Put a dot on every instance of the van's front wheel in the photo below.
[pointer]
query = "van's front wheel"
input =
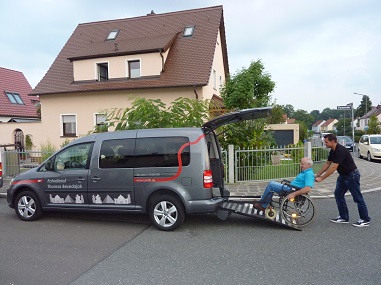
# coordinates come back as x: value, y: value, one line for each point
x: 166, y: 212
x: 27, y: 206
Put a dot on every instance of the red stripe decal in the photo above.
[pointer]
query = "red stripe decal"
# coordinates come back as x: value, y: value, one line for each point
x: 27, y: 181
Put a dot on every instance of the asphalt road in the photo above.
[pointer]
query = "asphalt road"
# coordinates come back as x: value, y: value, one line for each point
x: 76, y: 249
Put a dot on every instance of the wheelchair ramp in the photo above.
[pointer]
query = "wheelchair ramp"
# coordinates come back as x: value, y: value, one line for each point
x: 246, y: 209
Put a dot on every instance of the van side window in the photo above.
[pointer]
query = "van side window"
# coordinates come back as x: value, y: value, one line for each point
x: 161, y: 152
x: 74, y: 157
x: 117, y: 153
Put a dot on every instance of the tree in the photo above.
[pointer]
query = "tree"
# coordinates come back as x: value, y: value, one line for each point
x: 149, y: 113
x: 276, y: 115
x: 328, y: 113
x: 373, y: 126
x: 364, y: 107
x: 315, y: 114
x: 302, y: 116
x: 289, y: 110
x: 248, y: 88
x: 303, y: 130
x: 344, y: 127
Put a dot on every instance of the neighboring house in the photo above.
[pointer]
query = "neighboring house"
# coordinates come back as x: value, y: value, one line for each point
x: 15, y: 104
x: 166, y: 56
x: 328, y: 125
x: 364, y: 120
x: 316, y: 127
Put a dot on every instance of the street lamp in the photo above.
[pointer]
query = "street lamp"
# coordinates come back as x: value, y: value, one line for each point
x: 366, y: 106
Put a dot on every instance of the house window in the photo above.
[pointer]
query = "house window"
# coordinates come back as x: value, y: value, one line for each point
x: 188, y: 31
x: 69, y: 125
x: 102, y: 71
x: 100, y: 123
x: 14, y: 98
x: 220, y: 81
x: 134, y: 68
x: 112, y: 35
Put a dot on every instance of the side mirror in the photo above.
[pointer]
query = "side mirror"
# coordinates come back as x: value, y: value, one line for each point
x: 60, y: 165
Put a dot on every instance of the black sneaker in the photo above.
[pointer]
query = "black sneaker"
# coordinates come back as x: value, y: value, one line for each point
x: 361, y: 223
x: 339, y: 220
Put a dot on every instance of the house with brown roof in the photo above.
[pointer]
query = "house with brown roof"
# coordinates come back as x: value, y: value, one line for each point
x: 103, y: 64
x: 16, y: 105
x: 364, y: 120
x: 317, y: 125
x: 328, y: 125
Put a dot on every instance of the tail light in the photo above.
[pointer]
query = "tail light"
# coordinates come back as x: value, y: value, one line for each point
x: 1, y: 169
x: 208, y: 179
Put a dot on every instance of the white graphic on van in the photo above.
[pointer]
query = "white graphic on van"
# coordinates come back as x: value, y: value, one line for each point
x: 108, y: 200
x: 58, y: 200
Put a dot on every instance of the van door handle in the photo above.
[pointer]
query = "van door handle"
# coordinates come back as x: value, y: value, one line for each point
x: 81, y: 179
x: 95, y: 179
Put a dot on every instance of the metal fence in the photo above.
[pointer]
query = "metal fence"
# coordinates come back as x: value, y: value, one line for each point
x: 272, y: 163
x: 15, y: 161
x: 247, y: 164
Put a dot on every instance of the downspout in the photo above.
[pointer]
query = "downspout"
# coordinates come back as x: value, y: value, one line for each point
x: 195, y: 92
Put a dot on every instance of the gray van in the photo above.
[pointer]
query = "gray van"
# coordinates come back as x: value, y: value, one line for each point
x: 166, y: 173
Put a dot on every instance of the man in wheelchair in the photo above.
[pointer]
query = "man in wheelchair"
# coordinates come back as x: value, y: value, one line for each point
x: 302, y: 183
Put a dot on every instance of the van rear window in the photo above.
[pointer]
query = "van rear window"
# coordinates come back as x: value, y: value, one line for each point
x: 144, y: 152
x: 161, y: 152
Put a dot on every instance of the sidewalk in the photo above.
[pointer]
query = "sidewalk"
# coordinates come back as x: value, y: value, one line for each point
x: 370, y: 181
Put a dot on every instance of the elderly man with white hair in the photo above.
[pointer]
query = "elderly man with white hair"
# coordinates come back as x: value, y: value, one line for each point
x: 304, y: 182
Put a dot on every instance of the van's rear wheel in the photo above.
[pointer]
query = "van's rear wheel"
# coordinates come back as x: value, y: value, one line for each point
x: 166, y: 212
x: 27, y: 206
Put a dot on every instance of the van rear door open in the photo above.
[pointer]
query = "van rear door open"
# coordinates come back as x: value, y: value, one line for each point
x: 234, y: 117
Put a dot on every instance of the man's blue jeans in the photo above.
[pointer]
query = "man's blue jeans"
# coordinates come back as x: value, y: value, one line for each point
x: 350, y: 182
x: 270, y: 188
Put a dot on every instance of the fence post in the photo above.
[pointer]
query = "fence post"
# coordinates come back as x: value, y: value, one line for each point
x: 231, y: 163
x: 308, y: 149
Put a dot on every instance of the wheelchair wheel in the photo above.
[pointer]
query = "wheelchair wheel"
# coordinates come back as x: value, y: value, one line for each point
x: 300, y: 211
x: 270, y: 213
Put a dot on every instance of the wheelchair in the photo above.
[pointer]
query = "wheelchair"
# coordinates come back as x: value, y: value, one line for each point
x: 298, y: 211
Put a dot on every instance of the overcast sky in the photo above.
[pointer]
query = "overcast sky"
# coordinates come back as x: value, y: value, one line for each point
x: 318, y: 52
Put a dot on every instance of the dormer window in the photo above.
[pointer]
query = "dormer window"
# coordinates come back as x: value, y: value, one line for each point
x: 188, y: 31
x: 112, y: 35
x: 14, y: 98
x: 134, y: 68
x: 102, y: 71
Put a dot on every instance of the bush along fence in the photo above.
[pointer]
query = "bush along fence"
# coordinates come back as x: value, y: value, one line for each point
x: 242, y: 165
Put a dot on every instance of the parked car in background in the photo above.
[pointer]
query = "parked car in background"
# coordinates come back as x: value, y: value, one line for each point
x: 370, y: 147
x: 346, y: 141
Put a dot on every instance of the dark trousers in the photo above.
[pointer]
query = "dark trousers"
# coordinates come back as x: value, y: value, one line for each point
x: 350, y: 182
